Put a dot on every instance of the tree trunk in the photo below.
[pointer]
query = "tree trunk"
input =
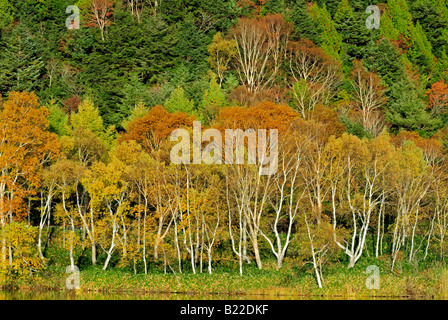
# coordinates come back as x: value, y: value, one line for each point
x: 2, y: 222
x: 93, y: 237
x: 93, y: 253
x: 176, y: 244
x: 109, y: 255
x: 72, y: 260
x: 144, y: 237
x: 257, y: 253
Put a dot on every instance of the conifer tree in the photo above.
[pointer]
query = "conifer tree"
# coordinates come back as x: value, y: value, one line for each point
x: 384, y: 59
x: 331, y: 40
x: 58, y: 119
x: 21, y: 66
x: 304, y: 25
x: 407, y: 109
x: 213, y: 100
x: 179, y: 102
x: 351, y: 26
x: 5, y: 13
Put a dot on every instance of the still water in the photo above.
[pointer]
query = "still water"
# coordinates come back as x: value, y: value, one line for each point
x: 90, y: 295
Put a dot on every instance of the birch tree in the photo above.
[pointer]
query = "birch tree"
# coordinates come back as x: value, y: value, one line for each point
x: 25, y: 146
x: 287, y: 195
x: 261, y: 44
x: 357, y: 170
x: 368, y: 93
x: 100, y: 12
x: 314, y: 76
x: 411, y: 183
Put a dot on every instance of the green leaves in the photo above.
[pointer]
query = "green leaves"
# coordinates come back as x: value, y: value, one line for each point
x: 408, y: 111
x: 221, y: 52
x: 213, y: 100
x: 5, y: 13
x: 58, y: 119
x: 305, y: 26
x: 331, y: 40
x: 21, y: 67
x: 179, y: 102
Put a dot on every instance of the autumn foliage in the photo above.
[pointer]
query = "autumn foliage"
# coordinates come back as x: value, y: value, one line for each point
x: 266, y: 115
x: 25, y: 147
x: 438, y: 97
x: 331, y: 189
x: 151, y: 129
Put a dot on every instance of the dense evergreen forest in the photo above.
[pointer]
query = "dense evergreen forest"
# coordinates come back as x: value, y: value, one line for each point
x: 86, y: 116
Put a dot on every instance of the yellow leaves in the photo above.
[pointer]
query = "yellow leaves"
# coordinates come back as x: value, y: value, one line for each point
x: 65, y: 173
x: 127, y: 152
x: 105, y: 180
x: 382, y: 149
x: 87, y: 117
x: 221, y: 52
x: 411, y: 159
x: 20, y: 237
x: 348, y: 146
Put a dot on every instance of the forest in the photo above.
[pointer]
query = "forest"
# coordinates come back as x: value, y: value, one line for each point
x: 86, y: 115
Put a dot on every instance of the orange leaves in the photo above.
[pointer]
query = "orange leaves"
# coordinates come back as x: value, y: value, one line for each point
x: 329, y: 118
x: 25, y: 145
x: 438, y: 97
x: 265, y: 115
x: 100, y: 12
x: 308, y: 61
x: 432, y: 148
x: 153, y: 128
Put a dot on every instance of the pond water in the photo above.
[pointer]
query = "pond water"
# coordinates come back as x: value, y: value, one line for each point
x: 90, y: 295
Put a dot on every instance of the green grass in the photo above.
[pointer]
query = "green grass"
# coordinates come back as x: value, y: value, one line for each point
x: 289, y: 283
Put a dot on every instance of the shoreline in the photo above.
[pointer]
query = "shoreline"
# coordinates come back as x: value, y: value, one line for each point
x: 340, y: 284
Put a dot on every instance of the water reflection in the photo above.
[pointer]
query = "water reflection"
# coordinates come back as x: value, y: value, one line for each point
x: 90, y: 295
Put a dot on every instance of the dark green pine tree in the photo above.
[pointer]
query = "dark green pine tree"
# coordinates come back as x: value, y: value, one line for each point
x: 219, y: 15
x: 172, y: 10
x: 192, y: 47
x: 155, y: 48
x: 304, y: 25
x: 352, y: 27
x: 360, y: 5
x: 146, y: 50
x: 21, y: 65
x: 407, y: 110
x: 433, y: 24
x: 274, y: 6
x: 331, y: 5
x: 384, y: 59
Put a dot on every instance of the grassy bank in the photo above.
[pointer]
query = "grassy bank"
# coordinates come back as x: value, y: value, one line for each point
x: 288, y: 283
